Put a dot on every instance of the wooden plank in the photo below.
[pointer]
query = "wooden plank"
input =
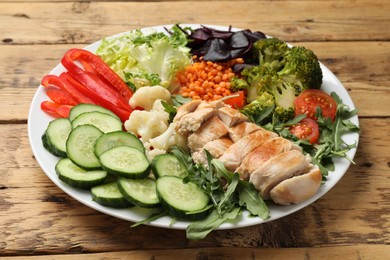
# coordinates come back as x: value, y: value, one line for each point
x: 354, y: 252
x: 49, y: 221
x: 364, y: 74
x: 84, y: 22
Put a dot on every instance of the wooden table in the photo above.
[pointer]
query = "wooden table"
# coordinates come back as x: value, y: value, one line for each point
x: 352, y: 221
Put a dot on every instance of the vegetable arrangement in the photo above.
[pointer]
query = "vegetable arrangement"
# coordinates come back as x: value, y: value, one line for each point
x: 137, y: 81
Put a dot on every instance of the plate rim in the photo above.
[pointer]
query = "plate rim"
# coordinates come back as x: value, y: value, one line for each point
x: 165, y: 221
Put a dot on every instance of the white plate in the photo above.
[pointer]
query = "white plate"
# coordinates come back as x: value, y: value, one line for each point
x: 38, y: 121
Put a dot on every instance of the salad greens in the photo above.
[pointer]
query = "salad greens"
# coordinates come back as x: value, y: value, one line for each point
x: 330, y: 143
x: 228, y: 193
x: 147, y: 58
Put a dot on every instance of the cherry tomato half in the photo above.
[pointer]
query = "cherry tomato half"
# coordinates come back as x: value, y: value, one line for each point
x: 308, y: 101
x: 306, y: 129
x: 236, y: 102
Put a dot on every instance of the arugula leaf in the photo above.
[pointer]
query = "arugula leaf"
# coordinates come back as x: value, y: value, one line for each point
x: 228, y: 200
x: 250, y: 198
x: 227, y: 192
x: 171, y: 110
x: 179, y: 100
x: 331, y: 143
x: 200, y: 229
x: 152, y: 217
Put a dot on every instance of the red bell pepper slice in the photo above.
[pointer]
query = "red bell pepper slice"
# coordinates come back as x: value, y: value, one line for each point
x: 102, y: 68
x: 60, y: 97
x: 55, y: 109
x: 98, y: 91
x: 62, y: 83
x: 123, y: 114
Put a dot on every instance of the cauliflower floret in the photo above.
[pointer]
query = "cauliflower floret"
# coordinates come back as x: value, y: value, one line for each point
x: 169, y: 138
x: 145, y: 97
x: 158, y: 106
x: 153, y: 153
x: 147, y: 124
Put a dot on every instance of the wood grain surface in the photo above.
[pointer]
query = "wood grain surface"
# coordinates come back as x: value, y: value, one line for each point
x: 38, y: 220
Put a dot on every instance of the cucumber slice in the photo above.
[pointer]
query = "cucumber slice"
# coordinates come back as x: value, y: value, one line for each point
x: 83, y: 108
x: 104, y: 122
x: 76, y: 177
x: 168, y: 164
x: 80, y: 146
x: 182, y: 200
x: 140, y: 192
x: 55, y: 136
x: 118, y: 138
x: 125, y: 161
x: 108, y: 194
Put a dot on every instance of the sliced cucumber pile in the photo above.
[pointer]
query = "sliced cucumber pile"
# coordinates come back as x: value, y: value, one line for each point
x: 99, y: 156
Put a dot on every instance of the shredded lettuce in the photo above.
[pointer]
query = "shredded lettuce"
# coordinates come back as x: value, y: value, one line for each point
x: 152, y: 58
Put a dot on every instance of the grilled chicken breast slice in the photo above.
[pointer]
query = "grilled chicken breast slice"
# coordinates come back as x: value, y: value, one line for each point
x: 191, y: 122
x: 277, y: 169
x: 185, y: 109
x: 298, y: 188
x: 261, y: 154
x: 212, y: 129
x: 234, y: 155
x: 216, y: 148
x: 245, y: 128
x: 231, y: 116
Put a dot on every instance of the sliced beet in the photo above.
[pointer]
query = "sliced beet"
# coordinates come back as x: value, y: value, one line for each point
x: 219, y: 45
x: 218, y: 51
x: 239, y: 40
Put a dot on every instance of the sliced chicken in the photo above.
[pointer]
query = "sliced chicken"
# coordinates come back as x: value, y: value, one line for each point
x: 298, y: 188
x: 186, y: 109
x: 245, y: 128
x: 191, y: 122
x: 216, y: 148
x: 277, y: 169
x: 261, y: 154
x: 234, y: 155
x: 231, y: 116
x: 212, y: 129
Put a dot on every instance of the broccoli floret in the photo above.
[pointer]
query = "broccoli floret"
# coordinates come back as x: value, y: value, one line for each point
x: 259, y: 78
x: 237, y: 84
x: 284, y: 94
x: 276, y: 98
x: 268, y: 94
x: 283, y: 115
x: 260, y: 110
x: 302, y: 69
x: 270, y: 52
